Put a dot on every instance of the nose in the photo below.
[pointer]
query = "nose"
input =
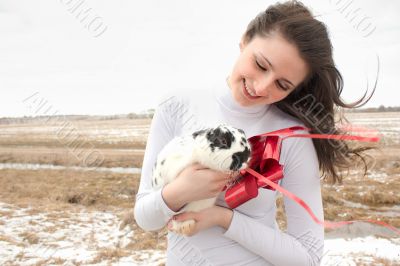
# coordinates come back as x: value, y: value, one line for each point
x: 263, y: 84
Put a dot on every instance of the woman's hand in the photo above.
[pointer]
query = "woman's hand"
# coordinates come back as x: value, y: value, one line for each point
x: 195, y: 182
x: 204, y: 219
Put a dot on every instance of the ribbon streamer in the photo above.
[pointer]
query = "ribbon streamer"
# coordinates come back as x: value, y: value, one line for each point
x: 326, y: 224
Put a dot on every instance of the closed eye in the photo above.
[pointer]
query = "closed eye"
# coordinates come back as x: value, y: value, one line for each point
x: 260, y: 67
x: 278, y: 83
x: 282, y: 87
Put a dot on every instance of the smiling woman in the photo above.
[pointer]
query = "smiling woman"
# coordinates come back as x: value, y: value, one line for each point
x: 285, y: 58
x: 298, y: 51
x: 255, y: 80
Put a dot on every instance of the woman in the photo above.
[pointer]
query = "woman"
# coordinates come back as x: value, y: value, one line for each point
x: 284, y: 76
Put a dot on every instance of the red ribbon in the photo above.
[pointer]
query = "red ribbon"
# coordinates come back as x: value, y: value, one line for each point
x: 264, y: 170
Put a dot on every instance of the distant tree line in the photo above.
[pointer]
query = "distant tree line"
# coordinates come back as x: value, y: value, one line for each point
x: 381, y: 108
x: 145, y: 114
x: 149, y: 114
x: 28, y: 119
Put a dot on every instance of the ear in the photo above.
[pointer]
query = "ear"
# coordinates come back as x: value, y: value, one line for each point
x: 241, y: 131
x: 242, y: 43
x: 241, y: 46
x: 197, y: 133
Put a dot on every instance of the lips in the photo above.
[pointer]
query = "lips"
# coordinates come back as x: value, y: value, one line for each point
x: 246, y: 92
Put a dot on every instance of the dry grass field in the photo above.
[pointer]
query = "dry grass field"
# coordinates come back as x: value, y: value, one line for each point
x: 67, y: 193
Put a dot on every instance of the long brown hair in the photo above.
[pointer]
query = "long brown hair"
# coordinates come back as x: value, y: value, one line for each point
x: 316, y: 101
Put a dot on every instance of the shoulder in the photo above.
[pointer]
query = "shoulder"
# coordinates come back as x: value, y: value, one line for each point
x: 282, y: 119
x: 186, y: 110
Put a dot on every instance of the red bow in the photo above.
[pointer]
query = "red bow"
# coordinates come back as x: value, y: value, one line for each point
x: 264, y: 170
x: 265, y: 153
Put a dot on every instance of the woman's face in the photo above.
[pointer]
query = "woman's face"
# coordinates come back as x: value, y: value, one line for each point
x: 267, y: 70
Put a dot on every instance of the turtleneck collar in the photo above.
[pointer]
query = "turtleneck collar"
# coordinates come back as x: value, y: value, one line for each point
x: 225, y: 98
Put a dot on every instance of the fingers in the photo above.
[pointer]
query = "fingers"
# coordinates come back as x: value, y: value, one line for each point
x: 198, y: 166
x: 220, y: 175
x: 184, y: 216
x: 225, y: 177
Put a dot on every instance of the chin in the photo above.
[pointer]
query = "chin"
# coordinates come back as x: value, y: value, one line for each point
x: 241, y: 100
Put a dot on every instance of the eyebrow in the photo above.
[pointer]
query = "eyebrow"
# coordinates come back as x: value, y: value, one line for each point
x: 269, y: 63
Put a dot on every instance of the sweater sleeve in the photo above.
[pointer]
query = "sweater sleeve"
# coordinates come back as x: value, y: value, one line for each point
x: 151, y: 211
x: 302, y: 243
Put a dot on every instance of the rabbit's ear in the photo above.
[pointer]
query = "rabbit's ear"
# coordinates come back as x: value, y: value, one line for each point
x: 198, y: 133
x: 241, y: 131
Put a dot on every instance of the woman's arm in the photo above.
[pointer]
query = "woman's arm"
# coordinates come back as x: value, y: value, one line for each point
x: 151, y: 212
x: 187, y: 188
x: 302, y: 243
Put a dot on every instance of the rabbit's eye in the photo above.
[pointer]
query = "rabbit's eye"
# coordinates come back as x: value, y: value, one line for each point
x: 223, y: 142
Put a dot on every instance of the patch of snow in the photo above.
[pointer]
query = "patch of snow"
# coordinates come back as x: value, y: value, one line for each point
x: 79, y: 237
x: 340, y: 251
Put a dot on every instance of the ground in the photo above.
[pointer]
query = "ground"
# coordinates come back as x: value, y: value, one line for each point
x: 67, y: 192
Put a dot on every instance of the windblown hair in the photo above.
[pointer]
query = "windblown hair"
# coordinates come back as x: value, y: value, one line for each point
x: 316, y: 101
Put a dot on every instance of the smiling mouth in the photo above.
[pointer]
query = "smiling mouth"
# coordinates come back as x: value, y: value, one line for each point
x: 249, y: 93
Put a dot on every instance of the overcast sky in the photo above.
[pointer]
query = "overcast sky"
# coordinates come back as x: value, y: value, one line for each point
x: 118, y: 56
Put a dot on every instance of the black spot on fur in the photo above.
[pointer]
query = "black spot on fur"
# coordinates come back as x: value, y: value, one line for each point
x: 241, y: 131
x: 162, y: 162
x: 220, y: 139
x: 243, y: 139
x: 238, y: 158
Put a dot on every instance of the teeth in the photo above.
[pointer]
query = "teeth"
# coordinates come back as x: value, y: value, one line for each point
x: 249, y: 91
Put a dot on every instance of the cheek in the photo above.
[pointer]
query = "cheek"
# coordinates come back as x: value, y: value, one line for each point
x: 244, y: 66
x: 278, y: 95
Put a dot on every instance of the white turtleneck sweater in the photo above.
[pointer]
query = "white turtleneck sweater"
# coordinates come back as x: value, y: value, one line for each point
x: 253, y: 237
